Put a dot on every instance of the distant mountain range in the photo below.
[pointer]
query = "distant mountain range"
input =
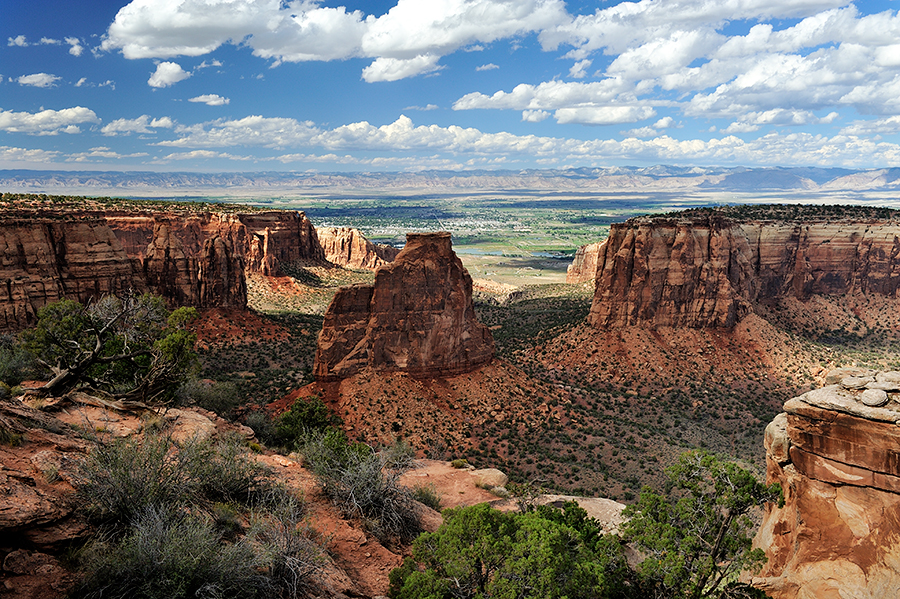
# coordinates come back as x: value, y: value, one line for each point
x: 609, y: 179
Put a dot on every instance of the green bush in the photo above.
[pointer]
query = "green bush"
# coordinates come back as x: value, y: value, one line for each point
x: 427, y: 495
x: 460, y: 463
x: 303, y: 419
x: 16, y: 363
x: 263, y: 426
x: 169, y: 554
x: 221, y: 398
x: 356, y: 480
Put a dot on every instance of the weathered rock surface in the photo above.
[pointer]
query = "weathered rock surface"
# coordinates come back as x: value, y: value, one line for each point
x: 838, y: 462
x: 349, y: 248
x: 191, y: 258
x: 707, y: 270
x: 584, y: 265
x: 418, y: 317
x: 44, y: 260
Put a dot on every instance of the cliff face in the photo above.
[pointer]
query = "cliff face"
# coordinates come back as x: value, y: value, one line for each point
x: 707, y: 271
x: 349, y: 248
x: 836, y: 453
x: 44, y: 260
x: 198, y: 259
x: 584, y: 265
x: 418, y: 317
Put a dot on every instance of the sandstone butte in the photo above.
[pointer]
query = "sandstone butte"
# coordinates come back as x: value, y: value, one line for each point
x: 707, y: 270
x: 418, y: 317
x: 584, y: 265
x: 348, y: 247
x: 836, y: 453
x: 193, y: 258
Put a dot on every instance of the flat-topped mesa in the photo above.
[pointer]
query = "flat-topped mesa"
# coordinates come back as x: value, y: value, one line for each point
x: 418, y: 317
x: 836, y: 453
x: 705, y: 268
x: 348, y: 247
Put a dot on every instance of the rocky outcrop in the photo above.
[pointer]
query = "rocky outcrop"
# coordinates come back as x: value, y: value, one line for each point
x: 584, y: 265
x: 349, y: 248
x: 707, y: 270
x: 418, y: 317
x: 837, y: 457
x: 191, y: 258
x: 47, y: 259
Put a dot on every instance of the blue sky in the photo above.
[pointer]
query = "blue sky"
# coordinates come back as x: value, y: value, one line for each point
x: 299, y: 85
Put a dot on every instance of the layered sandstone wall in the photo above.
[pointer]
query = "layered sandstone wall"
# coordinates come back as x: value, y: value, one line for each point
x: 836, y: 453
x: 418, y: 317
x: 191, y: 258
x: 708, y: 270
x: 43, y: 260
x: 348, y: 247
x: 584, y: 265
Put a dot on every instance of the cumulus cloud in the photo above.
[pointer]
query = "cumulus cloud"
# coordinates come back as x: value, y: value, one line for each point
x: 47, y: 122
x: 166, y: 74
x: 303, y: 30
x: 272, y: 132
x: 427, y: 107
x: 12, y: 155
x: 579, y: 69
x: 487, y: 67
x: 210, y: 100
x: 604, y: 115
x: 19, y: 40
x: 142, y: 124
x: 203, y: 155
x: 534, y: 116
x: 38, y: 80
x: 75, y: 47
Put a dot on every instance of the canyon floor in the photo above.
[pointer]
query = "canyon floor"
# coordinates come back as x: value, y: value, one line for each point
x: 565, y: 406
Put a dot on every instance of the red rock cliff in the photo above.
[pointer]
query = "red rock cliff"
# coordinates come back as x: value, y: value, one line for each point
x: 836, y: 453
x: 349, y: 248
x: 43, y: 260
x: 418, y: 317
x: 708, y: 270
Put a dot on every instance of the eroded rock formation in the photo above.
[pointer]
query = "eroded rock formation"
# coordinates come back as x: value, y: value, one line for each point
x: 45, y: 259
x: 584, y: 265
x: 836, y: 453
x: 707, y: 270
x: 349, y: 248
x: 418, y: 317
x: 191, y: 258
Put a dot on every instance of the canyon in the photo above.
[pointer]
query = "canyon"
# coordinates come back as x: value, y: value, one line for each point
x: 710, y: 267
x: 190, y: 256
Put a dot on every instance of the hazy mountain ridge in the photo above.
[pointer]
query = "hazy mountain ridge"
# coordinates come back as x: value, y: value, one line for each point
x: 657, y: 177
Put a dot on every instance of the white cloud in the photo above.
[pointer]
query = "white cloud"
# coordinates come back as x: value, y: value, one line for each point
x: 487, y: 67
x: 47, y: 122
x: 75, y: 47
x: 211, y: 100
x: 666, y: 122
x: 302, y: 30
x: 885, y: 126
x: 38, y: 80
x: 579, y: 69
x: 166, y: 74
x: 427, y: 107
x: 392, y: 69
x: 534, y: 116
x: 546, y: 96
x: 19, y: 40
x: 10, y: 155
x: 250, y: 131
x: 142, y: 124
x: 81, y: 82
x: 202, y: 155
x: 101, y: 154
x: 603, y: 115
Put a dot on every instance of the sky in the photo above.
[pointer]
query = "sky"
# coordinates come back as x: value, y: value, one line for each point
x: 407, y: 85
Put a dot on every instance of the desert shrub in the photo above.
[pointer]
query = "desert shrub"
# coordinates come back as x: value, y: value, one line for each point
x: 304, y: 418
x: 398, y: 456
x: 357, y: 482
x: 169, y: 554
x: 224, y: 470
x: 16, y: 362
x: 123, y: 478
x: 294, y: 552
x: 427, y: 495
x: 459, y: 463
x: 263, y: 426
x: 221, y: 398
